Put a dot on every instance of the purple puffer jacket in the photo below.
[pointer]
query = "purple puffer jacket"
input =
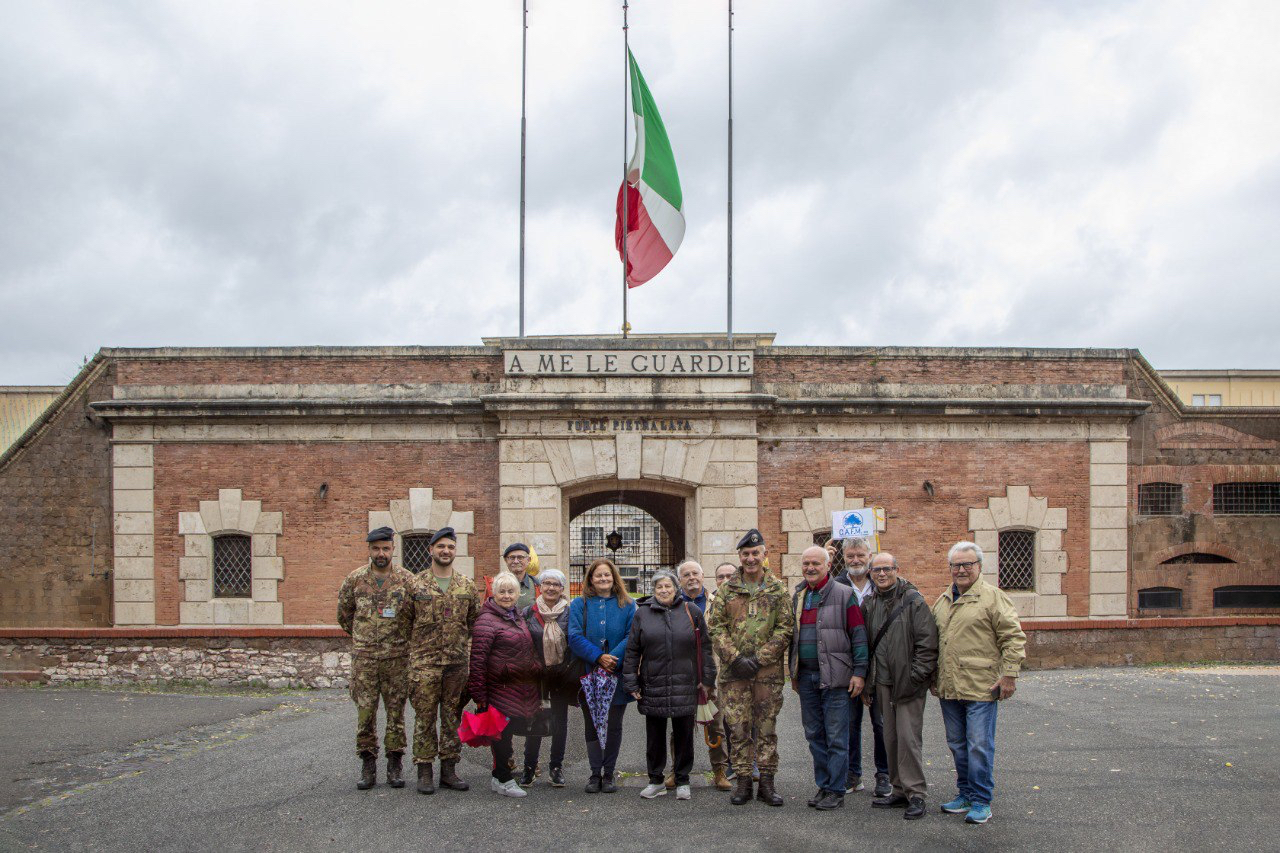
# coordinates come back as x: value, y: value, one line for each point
x: 504, y: 666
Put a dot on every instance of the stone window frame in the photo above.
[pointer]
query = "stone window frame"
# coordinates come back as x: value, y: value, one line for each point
x: 1017, y: 509
x: 230, y: 513
x: 423, y: 512
x: 814, y: 516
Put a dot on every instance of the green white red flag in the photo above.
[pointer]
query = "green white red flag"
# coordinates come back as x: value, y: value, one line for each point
x: 651, y: 191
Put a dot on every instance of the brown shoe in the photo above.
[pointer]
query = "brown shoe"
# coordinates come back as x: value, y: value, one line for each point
x: 670, y: 781
x: 765, y: 792
x: 368, y: 773
x: 721, y: 780
x: 449, y: 777
x: 742, y: 795
x: 425, y: 783
x: 395, y: 771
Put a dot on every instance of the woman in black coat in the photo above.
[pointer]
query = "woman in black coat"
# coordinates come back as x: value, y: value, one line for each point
x: 661, y: 671
x: 548, y: 619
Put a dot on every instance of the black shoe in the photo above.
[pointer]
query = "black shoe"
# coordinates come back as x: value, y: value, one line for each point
x: 395, y: 770
x: 915, y: 810
x: 765, y: 792
x: 556, y: 777
x: 608, y: 785
x: 833, y: 800
x: 368, y: 773
x: 742, y: 795
x: 893, y: 801
x: 425, y: 783
x: 449, y: 777
x: 526, y: 778
x: 593, y: 784
x: 816, y: 798
x: 883, y: 787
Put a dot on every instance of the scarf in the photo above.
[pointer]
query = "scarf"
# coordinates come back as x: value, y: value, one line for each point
x: 554, y: 641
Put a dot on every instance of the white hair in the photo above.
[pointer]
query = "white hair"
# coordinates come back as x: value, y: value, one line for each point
x: 857, y: 542
x: 964, y: 546
x: 693, y: 563
x: 502, y: 580
x: 553, y: 575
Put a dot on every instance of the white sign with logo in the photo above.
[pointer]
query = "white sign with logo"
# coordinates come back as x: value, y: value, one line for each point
x: 860, y: 523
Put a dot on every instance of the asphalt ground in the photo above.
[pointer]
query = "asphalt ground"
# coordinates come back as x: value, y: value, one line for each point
x: 1134, y: 759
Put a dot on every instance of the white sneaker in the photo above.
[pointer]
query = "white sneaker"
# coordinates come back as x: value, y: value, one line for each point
x: 495, y: 785
x: 511, y: 788
x: 651, y: 790
x: 683, y: 793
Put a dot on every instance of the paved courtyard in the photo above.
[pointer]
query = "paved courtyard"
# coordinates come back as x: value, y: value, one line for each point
x: 1140, y: 759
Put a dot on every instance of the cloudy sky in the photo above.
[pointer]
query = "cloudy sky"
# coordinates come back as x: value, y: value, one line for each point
x: 907, y: 173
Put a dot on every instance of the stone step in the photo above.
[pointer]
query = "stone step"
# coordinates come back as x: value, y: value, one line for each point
x: 23, y: 676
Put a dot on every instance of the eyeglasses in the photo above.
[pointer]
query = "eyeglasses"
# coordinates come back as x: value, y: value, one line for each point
x: 964, y: 566
x: 882, y: 570
x: 514, y: 558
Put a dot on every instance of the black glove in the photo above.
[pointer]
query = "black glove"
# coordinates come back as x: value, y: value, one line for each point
x: 744, y: 667
x: 480, y: 709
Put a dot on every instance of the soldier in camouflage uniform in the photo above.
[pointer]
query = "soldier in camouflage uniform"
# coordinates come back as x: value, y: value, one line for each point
x: 445, y: 607
x: 751, y: 623
x: 374, y: 607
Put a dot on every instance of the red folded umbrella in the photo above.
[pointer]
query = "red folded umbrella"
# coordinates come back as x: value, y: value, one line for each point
x: 482, y: 729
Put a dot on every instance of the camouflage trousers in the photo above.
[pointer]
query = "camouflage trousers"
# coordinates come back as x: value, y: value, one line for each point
x: 436, y: 691
x: 372, y: 680
x: 750, y: 711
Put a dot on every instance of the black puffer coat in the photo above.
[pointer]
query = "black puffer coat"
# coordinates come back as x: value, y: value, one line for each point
x: 560, y: 680
x: 662, y: 658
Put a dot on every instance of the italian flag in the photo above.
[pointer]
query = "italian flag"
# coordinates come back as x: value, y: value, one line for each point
x: 651, y: 191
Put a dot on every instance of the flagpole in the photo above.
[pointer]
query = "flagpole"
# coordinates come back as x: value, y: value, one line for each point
x: 626, y: 197
x: 524, y: 73
x: 729, y: 303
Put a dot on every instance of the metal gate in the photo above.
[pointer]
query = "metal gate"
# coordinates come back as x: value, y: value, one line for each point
x: 633, y: 539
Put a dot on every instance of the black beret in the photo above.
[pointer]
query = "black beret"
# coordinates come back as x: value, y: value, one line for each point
x: 382, y: 534
x: 443, y: 533
x: 751, y: 539
x: 515, y: 546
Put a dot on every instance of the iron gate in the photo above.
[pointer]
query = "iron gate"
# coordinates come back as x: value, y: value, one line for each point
x: 644, y: 546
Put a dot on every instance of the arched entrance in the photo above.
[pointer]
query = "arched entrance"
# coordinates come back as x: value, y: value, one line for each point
x: 641, y: 531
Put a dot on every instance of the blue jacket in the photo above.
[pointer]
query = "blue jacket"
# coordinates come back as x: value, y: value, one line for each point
x: 700, y: 602
x: 599, y: 626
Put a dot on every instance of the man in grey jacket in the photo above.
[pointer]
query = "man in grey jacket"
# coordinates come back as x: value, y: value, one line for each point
x: 904, y: 660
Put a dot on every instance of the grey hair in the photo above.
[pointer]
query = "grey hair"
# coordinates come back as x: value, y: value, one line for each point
x: 858, y: 542
x: 964, y: 546
x: 504, y: 579
x: 553, y: 575
x: 669, y: 575
x: 680, y: 567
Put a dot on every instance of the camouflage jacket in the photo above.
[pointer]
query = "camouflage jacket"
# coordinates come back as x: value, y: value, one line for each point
x: 758, y: 623
x: 378, y: 618
x: 442, y: 621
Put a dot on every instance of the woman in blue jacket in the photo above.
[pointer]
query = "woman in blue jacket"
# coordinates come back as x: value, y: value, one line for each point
x: 599, y: 624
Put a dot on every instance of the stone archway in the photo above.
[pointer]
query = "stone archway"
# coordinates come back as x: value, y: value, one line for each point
x: 652, y: 527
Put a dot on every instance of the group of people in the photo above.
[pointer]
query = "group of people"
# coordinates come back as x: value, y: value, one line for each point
x: 859, y: 639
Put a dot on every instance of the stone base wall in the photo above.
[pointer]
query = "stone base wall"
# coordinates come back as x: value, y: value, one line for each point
x: 323, y: 657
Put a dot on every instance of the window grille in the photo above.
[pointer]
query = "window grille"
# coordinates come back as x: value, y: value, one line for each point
x: 1160, y: 598
x: 630, y: 535
x: 593, y: 536
x: 1246, y: 499
x: 1017, y: 560
x: 1160, y: 499
x: 1196, y: 558
x: 642, y: 553
x: 232, y: 567
x: 415, y: 551
x: 1246, y: 596
x: 837, y: 563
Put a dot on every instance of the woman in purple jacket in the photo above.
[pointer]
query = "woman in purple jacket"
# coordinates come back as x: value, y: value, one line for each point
x: 504, y: 674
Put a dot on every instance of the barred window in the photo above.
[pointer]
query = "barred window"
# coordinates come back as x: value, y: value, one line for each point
x: 1160, y: 598
x: 1160, y: 499
x: 1197, y: 558
x: 1246, y: 499
x: 1017, y: 559
x: 232, y: 566
x: 415, y: 551
x: 1246, y: 596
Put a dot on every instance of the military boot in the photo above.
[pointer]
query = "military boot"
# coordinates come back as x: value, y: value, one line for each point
x: 765, y: 792
x: 395, y: 771
x: 368, y: 772
x: 425, y: 785
x: 721, y: 780
x: 449, y: 776
x: 742, y: 795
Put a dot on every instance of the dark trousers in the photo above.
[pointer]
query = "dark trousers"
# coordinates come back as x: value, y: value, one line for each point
x: 603, y: 761
x: 502, y: 751
x: 559, y: 733
x: 655, y: 732
x: 877, y: 736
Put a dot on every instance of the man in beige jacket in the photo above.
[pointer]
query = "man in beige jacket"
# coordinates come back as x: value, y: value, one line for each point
x: 980, y: 651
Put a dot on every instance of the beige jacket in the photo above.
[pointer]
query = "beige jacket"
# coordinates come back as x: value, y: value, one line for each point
x: 979, y: 640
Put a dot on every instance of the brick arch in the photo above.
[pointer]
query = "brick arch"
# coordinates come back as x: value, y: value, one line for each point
x: 1217, y: 548
x: 425, y: 511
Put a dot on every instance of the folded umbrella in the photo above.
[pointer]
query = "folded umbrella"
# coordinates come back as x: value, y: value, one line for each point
x: 482, y: 728
x: 598, y: 687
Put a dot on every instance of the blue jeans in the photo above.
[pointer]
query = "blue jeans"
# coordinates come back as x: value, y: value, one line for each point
x: 877, y: 736
x: 971, y: 735
x: 825, y: 713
